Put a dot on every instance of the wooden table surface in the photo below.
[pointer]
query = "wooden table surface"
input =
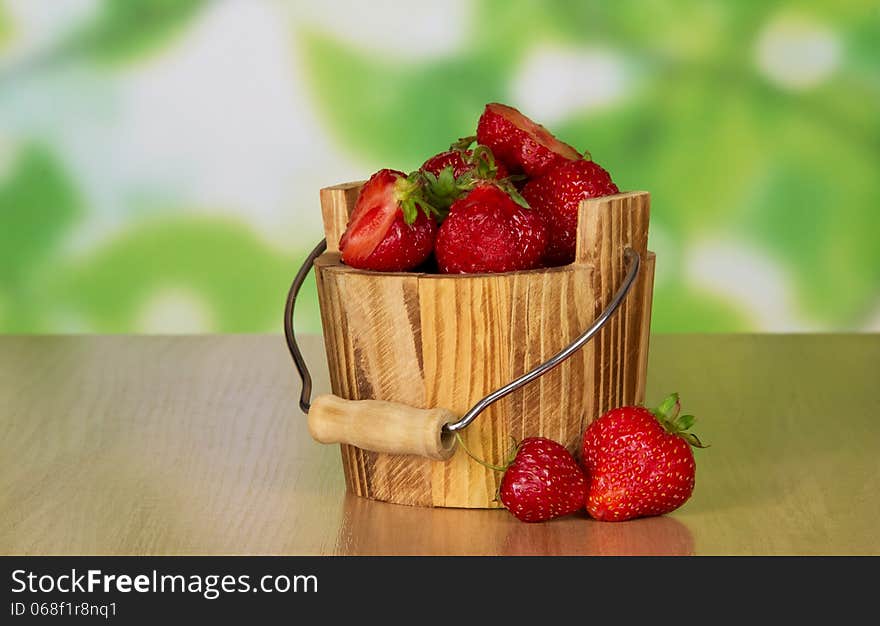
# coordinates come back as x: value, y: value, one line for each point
x: 195, y: 445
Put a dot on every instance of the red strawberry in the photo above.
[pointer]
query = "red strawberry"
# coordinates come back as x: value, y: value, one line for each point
x: 486, y: 231
x: 543, y: 481
x: 450, y: 175
x: 557, y: 195
x: 458, y: 160
x: 519, y: 143
x: 451, y: 158
x: 389, y: 229
x: 639, y: 462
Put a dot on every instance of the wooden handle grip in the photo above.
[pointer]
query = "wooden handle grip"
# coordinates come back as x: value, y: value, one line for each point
x: 382, y: 426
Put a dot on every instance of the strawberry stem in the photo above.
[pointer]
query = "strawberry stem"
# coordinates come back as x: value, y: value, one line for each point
x: 497, y: 468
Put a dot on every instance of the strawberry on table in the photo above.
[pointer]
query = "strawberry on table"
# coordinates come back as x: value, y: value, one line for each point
x: 487, y: 231
x: 557, y: 195
x: 639, y: 462
x: 392, y: 228
x: 543, y: 481
x: 519, y: 143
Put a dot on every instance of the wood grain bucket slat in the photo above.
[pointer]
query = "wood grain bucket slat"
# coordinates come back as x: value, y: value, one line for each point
x: 429, y: 340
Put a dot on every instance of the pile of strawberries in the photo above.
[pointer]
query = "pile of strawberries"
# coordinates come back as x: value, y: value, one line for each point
x: 634, y: 463
x: 508, y: 202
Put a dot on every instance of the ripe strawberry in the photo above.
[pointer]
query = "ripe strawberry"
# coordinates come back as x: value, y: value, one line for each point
x: 487, y: 231
x: 390, y: 229
x: 450, y: 175
x: 557, y: 195
x: 543, y: 481
x: 639, y: 462
x: 459, y: 161
x: 519, y: 143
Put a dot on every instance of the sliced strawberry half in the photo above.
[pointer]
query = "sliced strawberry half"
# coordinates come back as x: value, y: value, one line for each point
x: 519, y: 143
x: 374, y: 212
x: 391, y: 227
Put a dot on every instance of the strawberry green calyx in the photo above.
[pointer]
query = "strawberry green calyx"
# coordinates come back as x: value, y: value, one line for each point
x: 483, y: 163
x: 669, y: 408
x: 463, y: 144
x: 485, y: 169
x: 441, y: 190
x: 509, y: 188
x: 668, y: 415
x: 410, y: 195
x: 482, y: 169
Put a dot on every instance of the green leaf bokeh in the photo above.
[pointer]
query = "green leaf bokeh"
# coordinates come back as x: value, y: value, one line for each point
x: 763, y: 175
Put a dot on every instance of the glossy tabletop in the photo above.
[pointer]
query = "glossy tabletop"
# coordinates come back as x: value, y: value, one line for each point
x: 195, y: 445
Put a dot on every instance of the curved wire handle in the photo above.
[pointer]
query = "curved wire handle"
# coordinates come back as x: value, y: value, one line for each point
x: 479, y: 407
x: 560, y: 356
x: 305, y: 396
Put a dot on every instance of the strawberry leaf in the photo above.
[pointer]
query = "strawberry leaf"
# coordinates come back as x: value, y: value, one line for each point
x: 410, y: 210
x: 693, y: 440
x: 483, y: 162
x: 683, y: 422
x: 507, y: 187
x: 446, y: 180
x: 441, y: 191
x: 675, y: 424
x: 669, y: 408
x: 412, y: 196
x: 515, y: 195
x: 463, y: 144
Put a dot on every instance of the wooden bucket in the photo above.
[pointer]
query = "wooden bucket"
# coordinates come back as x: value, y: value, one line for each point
x: 431, y: 340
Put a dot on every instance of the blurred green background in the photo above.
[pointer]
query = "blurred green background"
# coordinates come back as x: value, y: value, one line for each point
x: 160, y: 160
